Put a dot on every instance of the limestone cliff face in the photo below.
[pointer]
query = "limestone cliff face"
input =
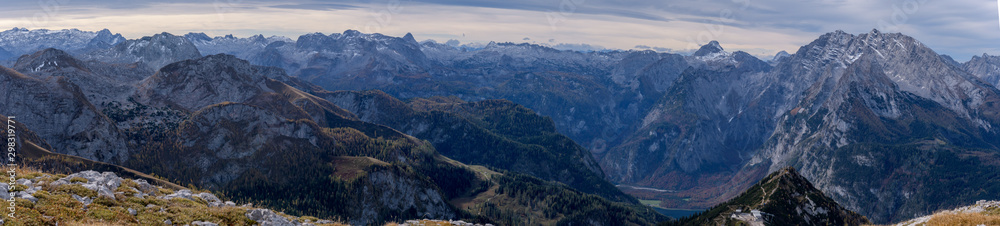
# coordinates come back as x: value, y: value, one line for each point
x: 152, y: 52
x: 883, y: 104
x: 985, y: 67
x: 193, y: 84
x: 58, y: 111
x: 101, y: 83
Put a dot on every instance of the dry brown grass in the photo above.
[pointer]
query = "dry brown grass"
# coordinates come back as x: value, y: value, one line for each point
x: 55, y: 206
x: 23, y: 171
x: 963, y: 219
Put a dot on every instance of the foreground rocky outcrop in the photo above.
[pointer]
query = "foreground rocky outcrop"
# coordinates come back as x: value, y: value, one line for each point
x: 91, y: 197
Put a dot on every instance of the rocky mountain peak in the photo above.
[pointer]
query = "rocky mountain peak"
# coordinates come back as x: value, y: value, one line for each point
x: 48, y: 59
x: 23, y: 41
x: 782, y: 198
x: 105, y: 39
x: 912, y: 66
x: 985, y: 67
x: 491, y: 45
x: 409, y: 38
x: 710, y: 48
x: 351, y: 33
x: 258, y: 38
x: 197, y: 83
x: 314, y: 41
x: 155, y: 51
x: 780, y: 55
x: 200, y: 36
x: 220, y: 66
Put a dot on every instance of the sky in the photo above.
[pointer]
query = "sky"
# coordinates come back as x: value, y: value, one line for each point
x: 960, y: 28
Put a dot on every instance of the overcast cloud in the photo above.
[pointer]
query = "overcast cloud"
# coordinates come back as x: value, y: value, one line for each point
x: 961, y: 28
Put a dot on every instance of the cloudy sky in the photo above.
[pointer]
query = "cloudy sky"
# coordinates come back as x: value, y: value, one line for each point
x: 960, y: 28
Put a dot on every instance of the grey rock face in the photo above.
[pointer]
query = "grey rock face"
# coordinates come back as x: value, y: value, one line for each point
x: 59, y: 113
x: 779, y: 56
x: 244, y: 48
x: 19, y: 41
x: 878, y: 97
x: 4, y: 188
x: 390, y: 191
x: 193, y: 84
x: 260, y: 126
x: 152, y: 51
x: 985, y: 67
x: 145, y: 187
x: 203, y: 223
x: 711, y: 118
x: 212, y: 200
x: 100, y: 82
x: 104, y: 39
x: 712, y: 47
x: 103, y: 183
x: 266, y: 217
x: 85, y: 200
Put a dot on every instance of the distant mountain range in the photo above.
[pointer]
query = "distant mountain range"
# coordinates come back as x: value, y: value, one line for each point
x: 879, y: 122
x: 220, y: 123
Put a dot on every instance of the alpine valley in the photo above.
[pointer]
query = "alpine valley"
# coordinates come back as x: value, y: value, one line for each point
x: 372, y: 129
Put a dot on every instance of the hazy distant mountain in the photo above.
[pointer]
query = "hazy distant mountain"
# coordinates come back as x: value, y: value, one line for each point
x: 244, y: 48
x: 594, y: 85
x: 152, y: 51
x: 985, y: 67
x: 870, y: 119
x: 780, y: 55
x: 100, y: 82
x: 19, y: 41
